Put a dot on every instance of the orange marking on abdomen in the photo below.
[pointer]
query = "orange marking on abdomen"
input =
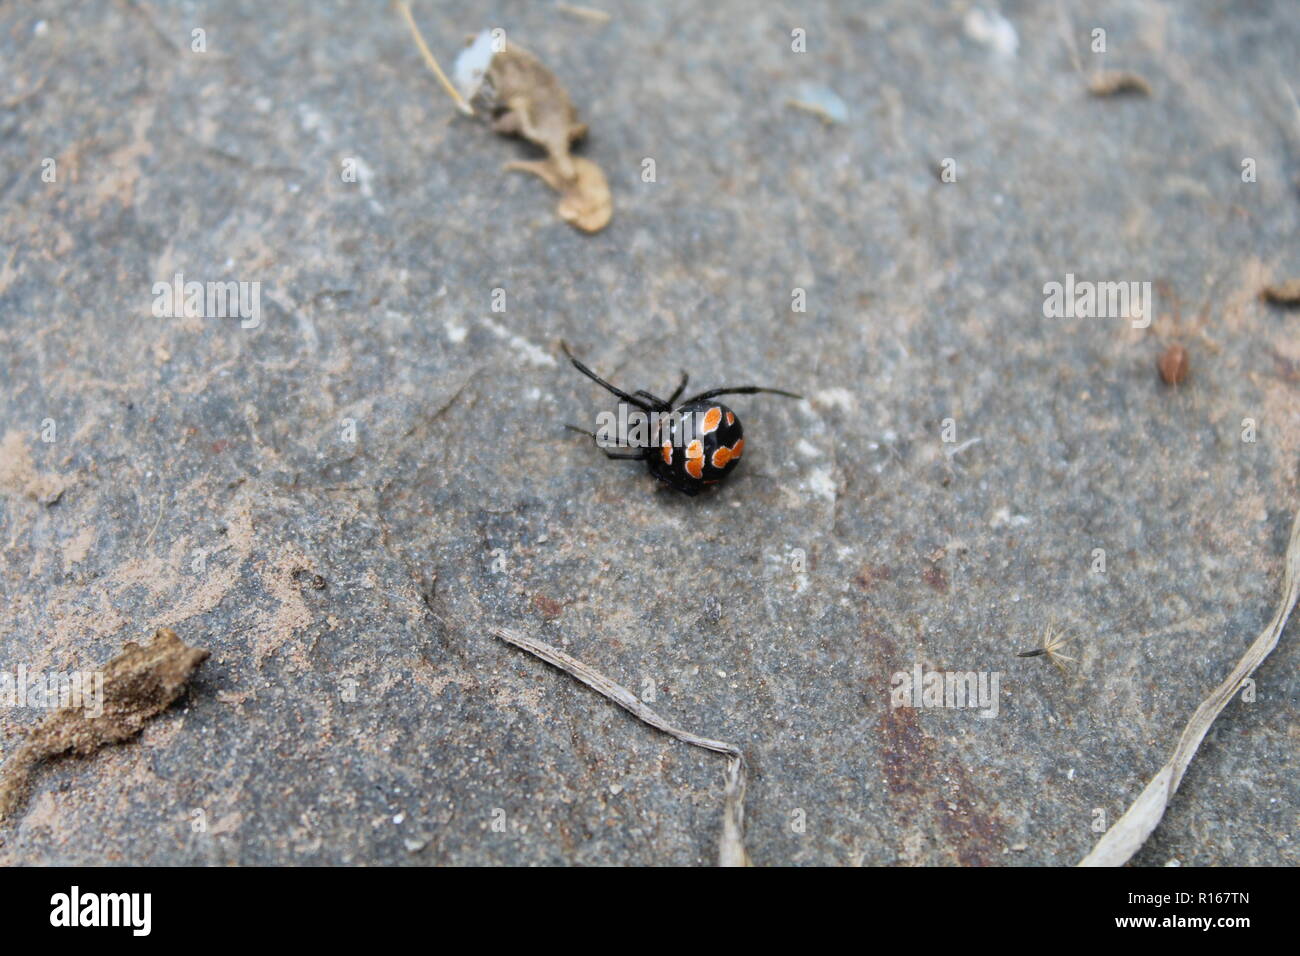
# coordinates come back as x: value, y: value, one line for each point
x: 712, y: 418
x: 668, y: 452
x: 721, y: 457
x: 695, y: 449
x: 738, y: 448
x: 731, y: 419
x: 695, y: 467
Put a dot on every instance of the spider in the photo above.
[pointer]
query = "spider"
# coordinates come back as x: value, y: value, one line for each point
x: 694, y: 444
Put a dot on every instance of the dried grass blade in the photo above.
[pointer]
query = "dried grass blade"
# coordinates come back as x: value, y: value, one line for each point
x: 405, y: 10
x: 731, y: 850
x: 1130, y: 831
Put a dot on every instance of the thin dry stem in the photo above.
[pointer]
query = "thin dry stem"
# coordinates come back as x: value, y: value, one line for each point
x: 731, y: 850
x: 1130, y: 831
x: 432, y: 61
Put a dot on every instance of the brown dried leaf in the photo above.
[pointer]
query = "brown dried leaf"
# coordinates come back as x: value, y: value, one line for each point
x: 585, y: 201
x: 1282, y: 293
x: 498, y: 79
x: 526, y: 99
x: 1116, y: 82
x: 139, y: 684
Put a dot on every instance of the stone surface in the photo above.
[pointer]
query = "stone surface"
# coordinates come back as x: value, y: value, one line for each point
x: 200, y: 474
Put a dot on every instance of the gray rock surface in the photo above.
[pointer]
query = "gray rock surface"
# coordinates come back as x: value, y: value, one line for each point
x: 200, y: 473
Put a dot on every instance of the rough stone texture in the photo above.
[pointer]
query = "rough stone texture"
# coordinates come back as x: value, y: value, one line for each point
x: 201, y: 465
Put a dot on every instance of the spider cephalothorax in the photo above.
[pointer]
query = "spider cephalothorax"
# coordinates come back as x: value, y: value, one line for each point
x: 689, y: 446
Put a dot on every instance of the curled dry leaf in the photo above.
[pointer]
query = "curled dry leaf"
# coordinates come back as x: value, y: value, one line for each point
x: 1117, y: 82
x: 519, y: 96
x: 139, y: 684
x: 1282, y: 293
x: 522, y: 97
x: 585, y: 201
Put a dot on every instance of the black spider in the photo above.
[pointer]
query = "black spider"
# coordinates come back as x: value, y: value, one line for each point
x: 694, y: 444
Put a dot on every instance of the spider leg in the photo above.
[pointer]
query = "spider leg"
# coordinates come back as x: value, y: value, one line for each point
x: 630, y: 399
x: 739, y: 390
x: 660, y: 404
x: 638, y: 455
x: 677, y: 393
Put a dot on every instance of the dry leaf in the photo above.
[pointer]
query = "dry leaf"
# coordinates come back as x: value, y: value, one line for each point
x: 498, y: 79
x: 521, y: 95
x: 139, y: 684
x: 585, y: 201
x: 1282, y: 293
x: 1116, y: 82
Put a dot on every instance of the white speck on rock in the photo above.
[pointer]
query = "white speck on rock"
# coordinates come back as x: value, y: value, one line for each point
x: 525, y: 350
x: 807, y: 450
x: 1003, y: 517
x: 822, y: 483
x: 840, y: 398
x: 993, y: 30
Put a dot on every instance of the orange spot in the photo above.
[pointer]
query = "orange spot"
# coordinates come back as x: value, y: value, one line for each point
x: 668, y: 452
x: 712, y: 418
x: 721, y: 457
x: 731, y: 419
x: 738, y: 448
x: 695, y: 449
x: 695, y: 467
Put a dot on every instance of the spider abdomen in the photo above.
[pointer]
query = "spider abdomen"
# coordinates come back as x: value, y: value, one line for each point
x: 701, y: 445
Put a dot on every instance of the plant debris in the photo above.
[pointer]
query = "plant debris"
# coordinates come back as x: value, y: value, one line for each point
x: 1053, y: 641
x: 1118, y: 82
x: 585, y: 202
x: 501, y: 81
x: 1282, y: 293
x: 584, y: 13
x: 821, y: 101
x: 731, y: 847
x: 1130, y: 831
x: 1174, y: 365
x: 139, y: 684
